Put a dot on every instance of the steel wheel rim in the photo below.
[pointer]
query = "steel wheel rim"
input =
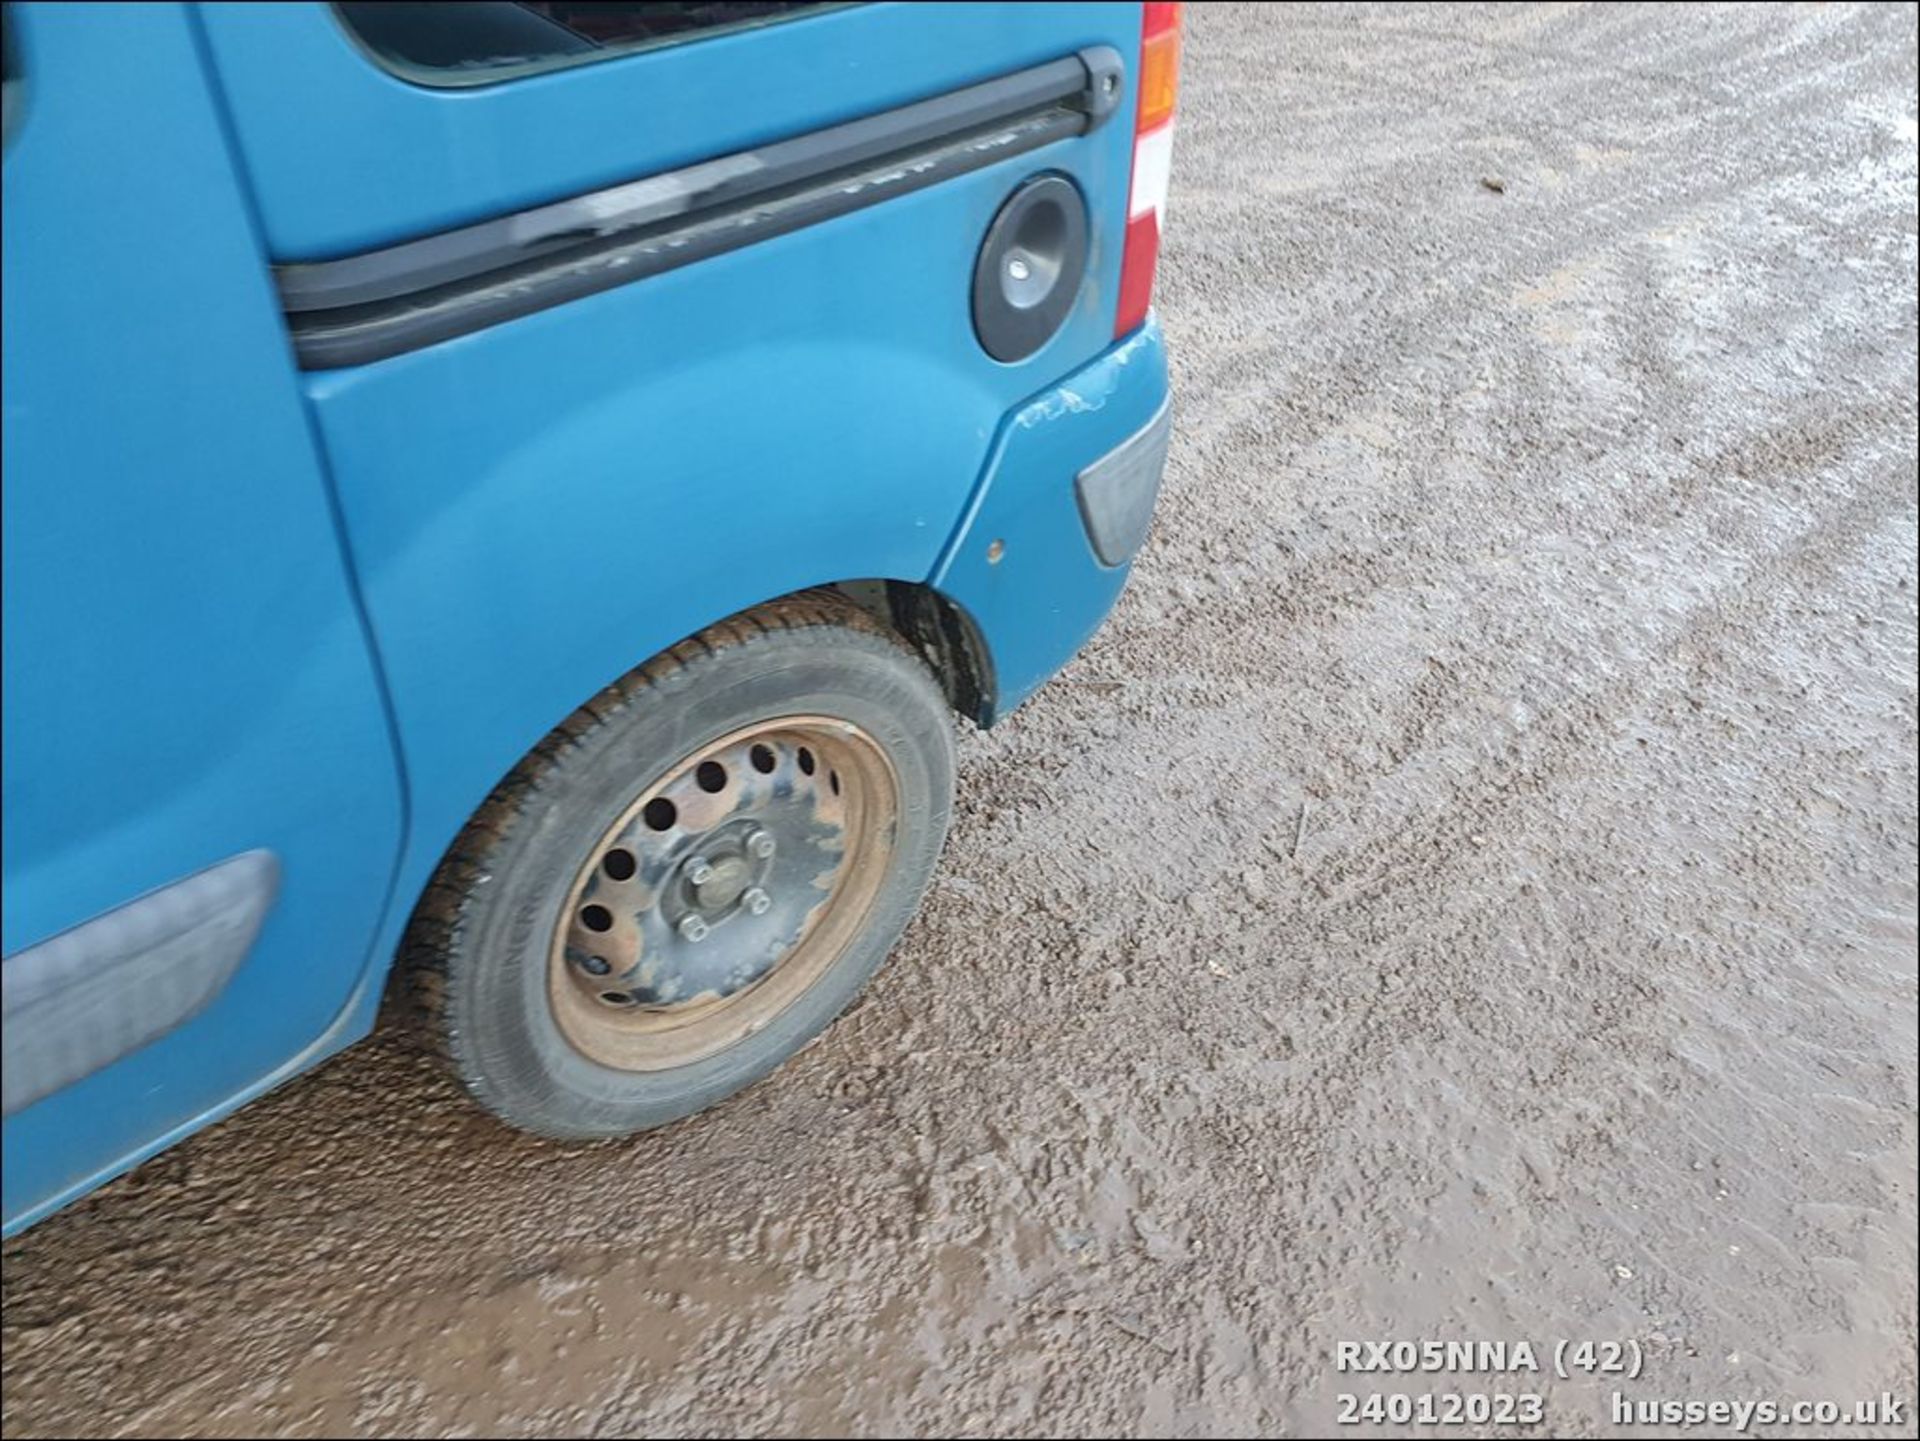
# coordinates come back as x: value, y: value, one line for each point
x: 723, y: 893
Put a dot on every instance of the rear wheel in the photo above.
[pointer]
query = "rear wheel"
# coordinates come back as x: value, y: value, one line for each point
x: 691, y: 877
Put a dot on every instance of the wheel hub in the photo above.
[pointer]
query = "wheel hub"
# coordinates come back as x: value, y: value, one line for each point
x: 724, y: 882
x: 718, y: 882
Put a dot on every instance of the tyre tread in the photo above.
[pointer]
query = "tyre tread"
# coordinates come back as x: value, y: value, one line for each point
x: 426, y: 978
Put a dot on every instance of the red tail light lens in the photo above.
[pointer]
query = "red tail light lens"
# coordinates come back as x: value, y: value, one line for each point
x: 1157, y: 86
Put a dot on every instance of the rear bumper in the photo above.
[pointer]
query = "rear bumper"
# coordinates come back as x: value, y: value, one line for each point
x: 1117, y: 492
x: 1063, y: 504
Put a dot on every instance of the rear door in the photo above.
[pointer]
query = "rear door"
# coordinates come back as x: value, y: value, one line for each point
x: 546, y: 480
x: 187, y: 676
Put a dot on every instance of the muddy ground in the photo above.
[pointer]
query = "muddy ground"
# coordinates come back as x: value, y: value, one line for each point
x: 1467, y: 891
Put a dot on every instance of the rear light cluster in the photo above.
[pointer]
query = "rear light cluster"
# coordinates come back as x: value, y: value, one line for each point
x: 1157, y: 85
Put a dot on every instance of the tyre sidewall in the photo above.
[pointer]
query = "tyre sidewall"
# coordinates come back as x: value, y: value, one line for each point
x: 500, y: 1018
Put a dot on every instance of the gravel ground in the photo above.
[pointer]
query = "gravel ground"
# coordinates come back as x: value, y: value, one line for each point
x: 1466, y: 892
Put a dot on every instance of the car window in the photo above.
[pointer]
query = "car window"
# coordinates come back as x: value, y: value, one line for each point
x: 12, y: 85
x: 454, y: 42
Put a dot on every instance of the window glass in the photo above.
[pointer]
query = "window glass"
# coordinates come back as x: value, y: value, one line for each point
x: 454, y: 42
x: 12, y: 86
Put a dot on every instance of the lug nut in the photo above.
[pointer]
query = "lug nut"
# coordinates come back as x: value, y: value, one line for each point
x: 756, y: 900
x: 761, y: 844
x: 698, y: 871
x: 692, y: 928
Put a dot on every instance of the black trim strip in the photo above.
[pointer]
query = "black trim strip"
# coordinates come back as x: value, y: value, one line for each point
x: 382, y: 303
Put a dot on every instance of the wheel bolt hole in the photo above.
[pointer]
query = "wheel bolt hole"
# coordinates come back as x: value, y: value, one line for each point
x: 619, y: 865
x: 711, y: 777
x: 806, y: 760
x: 595, y: 965
x: 596, y: 918
x: 833, y: 781
x: 616, y: 998
x: 660, y: 814
x: 762, y: 758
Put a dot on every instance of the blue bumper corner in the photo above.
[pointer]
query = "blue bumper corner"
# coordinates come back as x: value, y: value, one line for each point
x: 1061, y: 507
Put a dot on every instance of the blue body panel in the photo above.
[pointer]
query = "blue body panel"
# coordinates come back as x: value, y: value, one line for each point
x: 186, y: 672
x: 1047, y: 592
x: 436, y: 557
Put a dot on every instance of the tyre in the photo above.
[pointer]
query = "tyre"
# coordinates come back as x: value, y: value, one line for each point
x: 691, y: 877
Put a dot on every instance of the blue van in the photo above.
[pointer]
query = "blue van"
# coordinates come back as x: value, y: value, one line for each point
x: 507, y: 496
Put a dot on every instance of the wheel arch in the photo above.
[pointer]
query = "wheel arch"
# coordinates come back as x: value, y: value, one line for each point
x: 940, y: 630
x: 943, y: 631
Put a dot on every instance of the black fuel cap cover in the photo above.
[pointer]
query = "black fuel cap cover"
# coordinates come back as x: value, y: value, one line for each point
x: 1030, y: 267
